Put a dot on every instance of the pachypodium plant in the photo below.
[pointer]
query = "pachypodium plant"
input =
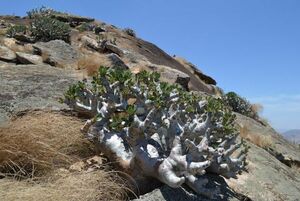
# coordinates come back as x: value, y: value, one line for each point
x: 158, y: 129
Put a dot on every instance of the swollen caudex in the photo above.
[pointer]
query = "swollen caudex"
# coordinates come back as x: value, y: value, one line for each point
x: 172, y: 135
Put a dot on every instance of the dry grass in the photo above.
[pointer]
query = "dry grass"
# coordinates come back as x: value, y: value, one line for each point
x: 259, y: 140
x: 40, y: 141
x: 257, y: 108
x: 92, y: 62
x: 65, y: 186
x: 36, y: 151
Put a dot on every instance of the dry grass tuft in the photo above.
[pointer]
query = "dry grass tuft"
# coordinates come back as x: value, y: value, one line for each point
x: 40, y: 147
x: 92, y: 62
x: 39, y: 141
x: 65, y: 186
x: 257, y: 108
x: 259, y: 140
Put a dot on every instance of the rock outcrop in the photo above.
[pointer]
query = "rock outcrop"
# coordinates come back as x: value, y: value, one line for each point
x: 280, y: 148
x: 6, y: 54
x: 30, y: 87
x: 25, y: 58
x: 57, y: 53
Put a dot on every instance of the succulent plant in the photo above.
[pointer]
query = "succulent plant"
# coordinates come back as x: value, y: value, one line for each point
x: 158, y: 129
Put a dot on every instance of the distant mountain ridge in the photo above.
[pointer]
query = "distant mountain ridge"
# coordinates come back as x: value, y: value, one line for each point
x: 292, y: 135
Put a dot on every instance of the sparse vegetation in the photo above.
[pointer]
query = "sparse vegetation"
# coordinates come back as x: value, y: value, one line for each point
x: 65, y: 185
x: 259, y: 140
x: 240, y: 105
x: 130, y: 32
x: 36, y: 151
x: 91, y: 63
x: 38, y: 12
x: 84, y: 27
x: 13, y: 30
x: 45, y: 29
x: 36, y: 143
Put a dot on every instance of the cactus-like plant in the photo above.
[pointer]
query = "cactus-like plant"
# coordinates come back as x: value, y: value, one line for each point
x: 45, y: 29
x: 158, y: 129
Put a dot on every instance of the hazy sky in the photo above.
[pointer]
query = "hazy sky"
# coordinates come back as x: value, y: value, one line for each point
x: 251, y: 47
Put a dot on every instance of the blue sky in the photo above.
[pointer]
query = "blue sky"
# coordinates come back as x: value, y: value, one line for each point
x: 251, y: 47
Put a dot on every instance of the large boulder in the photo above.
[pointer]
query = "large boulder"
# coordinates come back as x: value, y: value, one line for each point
x: 25, y: 58
x: 57, y: 53
x: 7, y: 54
x: 114, y: 49
x: 27, y: 87
x: 116, y: 61
x: 91, y: 43
x: 167, y: 73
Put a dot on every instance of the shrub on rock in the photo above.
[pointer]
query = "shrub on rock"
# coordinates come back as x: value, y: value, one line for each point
x: 38, y: 12
x: 46, y: 29
x: 157, y: 129
x: 16, y: 29
x: 240, y: 105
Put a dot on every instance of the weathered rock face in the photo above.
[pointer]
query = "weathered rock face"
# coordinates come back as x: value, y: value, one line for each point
x: 267, y: 178
x: 91, y: 43
x: 284, y: 151
x: 6, y: 54
x: 25, y: 58
x: 191, y: 67
x: 114, y: 49
x: 58, y: 53
x: 172, y: 75
x: 117, y: 61
x: 28, y: 87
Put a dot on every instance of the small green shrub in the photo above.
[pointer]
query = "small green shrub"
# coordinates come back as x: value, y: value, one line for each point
x: 46, y: 29
x: 130, y: 32
x: 13, y: 30
x: 38, y: 12
x: 240, y: 105
x: 84, y: 27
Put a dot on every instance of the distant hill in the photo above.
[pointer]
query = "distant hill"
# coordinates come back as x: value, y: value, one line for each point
x: 292, y: 135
